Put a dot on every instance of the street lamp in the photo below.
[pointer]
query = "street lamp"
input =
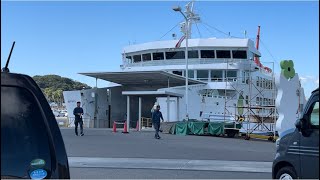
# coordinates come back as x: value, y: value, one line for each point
x: 178, y: 9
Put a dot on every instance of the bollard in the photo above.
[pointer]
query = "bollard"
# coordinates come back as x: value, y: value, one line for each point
x: 125, y: 128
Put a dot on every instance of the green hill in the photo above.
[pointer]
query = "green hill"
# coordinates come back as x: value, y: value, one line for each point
x: 53, y: 86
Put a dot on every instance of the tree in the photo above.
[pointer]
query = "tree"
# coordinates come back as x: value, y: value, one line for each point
x: 59, y: 96
x: 48, y: 93
x: 53, y: 86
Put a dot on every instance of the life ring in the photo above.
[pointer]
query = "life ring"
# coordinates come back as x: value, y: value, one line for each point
x: 241, y: 119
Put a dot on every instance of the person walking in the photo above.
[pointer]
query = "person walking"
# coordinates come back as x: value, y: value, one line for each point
x: 78, y: 112
x: 156, y: 116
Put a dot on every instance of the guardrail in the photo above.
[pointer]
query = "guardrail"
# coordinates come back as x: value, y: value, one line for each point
x: 183, y: 61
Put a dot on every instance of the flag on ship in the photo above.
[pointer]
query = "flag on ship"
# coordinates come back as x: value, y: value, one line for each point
x: 180, y: 41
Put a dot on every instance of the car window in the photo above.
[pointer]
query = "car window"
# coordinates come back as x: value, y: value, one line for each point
x: 24, y: 139
x: 315, y: 114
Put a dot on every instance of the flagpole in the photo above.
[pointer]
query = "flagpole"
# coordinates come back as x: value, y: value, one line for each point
x: 187, y: 31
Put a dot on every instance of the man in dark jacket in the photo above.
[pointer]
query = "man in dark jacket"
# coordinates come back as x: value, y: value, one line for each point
x: 156, y: 115
x: 78, y: 112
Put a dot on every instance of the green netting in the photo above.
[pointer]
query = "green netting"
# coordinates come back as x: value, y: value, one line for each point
x: 196, y: 128
x: 172, y: 129
x: 215, y: 128
x: 182, y: 128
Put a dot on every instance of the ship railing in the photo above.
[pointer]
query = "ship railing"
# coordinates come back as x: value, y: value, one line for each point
x: 233, y: 79
x: 183, y: 61
x: 218, y: 96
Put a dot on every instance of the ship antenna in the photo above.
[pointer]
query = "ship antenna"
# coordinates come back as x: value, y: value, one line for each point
x: 190, y: 18
x: 257, y: 61
x: 258, y: 38
x: 6, y: 69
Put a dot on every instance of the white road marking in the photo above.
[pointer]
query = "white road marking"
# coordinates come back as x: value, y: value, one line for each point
x: 170, y: 164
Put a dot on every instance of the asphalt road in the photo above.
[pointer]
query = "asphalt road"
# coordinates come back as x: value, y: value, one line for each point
x: 104, y: 151
x: 103, y: 173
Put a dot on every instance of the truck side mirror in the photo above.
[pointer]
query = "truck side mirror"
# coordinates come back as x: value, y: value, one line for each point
x: 301, y: 123
x: 298, y: 124
x: 303, y: 126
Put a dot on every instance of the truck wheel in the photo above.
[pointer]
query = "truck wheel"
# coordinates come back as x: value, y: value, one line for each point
x: 247, y: 137
x: 231, y: 134
x: 286, y: 173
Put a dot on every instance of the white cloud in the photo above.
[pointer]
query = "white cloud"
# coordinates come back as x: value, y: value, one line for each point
x: 309, y: 80
x: 309, y: 83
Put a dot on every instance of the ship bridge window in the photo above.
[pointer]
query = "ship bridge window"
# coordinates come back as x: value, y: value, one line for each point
x: 190, y: 74
x: 158, y: 56
x: 239, y: 54
x: 177, y: 72
x: 216, y: 75
x: 137, y: 58
x: 231, y: 75
x: 207, y: 54
x: 203, y: 75
x: 175, y: 55
x: 210, y: 93
x: 223, y: 54
x: 146, y: 57
x: 193, y: 54
x: 229, y: 94
x: 129, y: 59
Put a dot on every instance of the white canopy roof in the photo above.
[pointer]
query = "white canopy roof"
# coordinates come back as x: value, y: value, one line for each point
x: 146, y: 93
x: 142, y: 78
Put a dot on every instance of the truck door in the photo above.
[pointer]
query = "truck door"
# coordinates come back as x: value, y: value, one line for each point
x: 309, y: 145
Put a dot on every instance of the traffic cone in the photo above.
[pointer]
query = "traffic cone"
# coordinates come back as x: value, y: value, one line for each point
x: 114, y: 128
x: 137, y: 127
x: 125, y: 130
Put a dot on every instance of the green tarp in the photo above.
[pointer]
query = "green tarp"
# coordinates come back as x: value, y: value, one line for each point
x: 182, y: 128
x: 199, y: 128
x: 185, y: 128
x: 215, y: 128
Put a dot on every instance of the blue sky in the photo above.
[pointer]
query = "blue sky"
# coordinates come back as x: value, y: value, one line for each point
x: 66, y: 38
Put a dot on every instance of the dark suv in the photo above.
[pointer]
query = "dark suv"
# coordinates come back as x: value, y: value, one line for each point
x: 298, y: 149
x: 31, y: 141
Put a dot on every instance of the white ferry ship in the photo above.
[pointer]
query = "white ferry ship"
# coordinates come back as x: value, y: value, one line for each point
x: 226, y: 82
